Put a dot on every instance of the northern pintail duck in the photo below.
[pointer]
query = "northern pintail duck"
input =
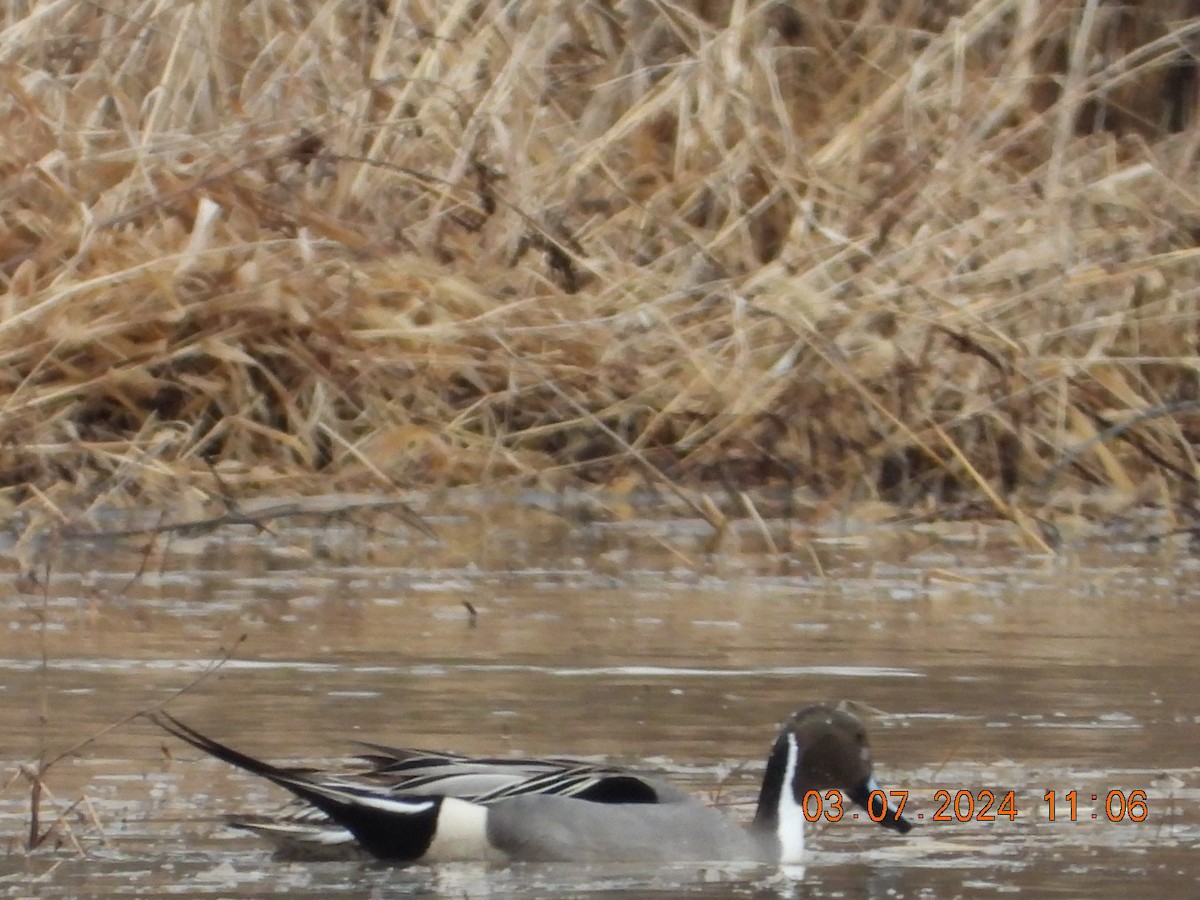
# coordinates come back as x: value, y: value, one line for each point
x: 406, y: 806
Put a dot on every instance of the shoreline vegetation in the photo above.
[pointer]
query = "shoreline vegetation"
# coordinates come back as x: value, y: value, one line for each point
x: 936, y: 255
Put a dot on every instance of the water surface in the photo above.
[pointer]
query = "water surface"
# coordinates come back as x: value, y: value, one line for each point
x: 990, y: 667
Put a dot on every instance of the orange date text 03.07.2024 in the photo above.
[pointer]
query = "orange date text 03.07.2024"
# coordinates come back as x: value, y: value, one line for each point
x: 983, y: 806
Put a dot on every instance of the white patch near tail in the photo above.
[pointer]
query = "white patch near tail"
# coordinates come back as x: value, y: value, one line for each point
x: 461, y: 834
x: 791, y: 814
x: 398, y: 805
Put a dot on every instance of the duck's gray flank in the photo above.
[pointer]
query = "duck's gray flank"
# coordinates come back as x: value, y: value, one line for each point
x: 405, y: 805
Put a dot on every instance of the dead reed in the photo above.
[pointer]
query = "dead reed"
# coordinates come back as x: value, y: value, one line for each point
x: 856, y: 247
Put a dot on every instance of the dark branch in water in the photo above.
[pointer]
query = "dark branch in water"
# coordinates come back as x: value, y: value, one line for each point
x: 259, y: 516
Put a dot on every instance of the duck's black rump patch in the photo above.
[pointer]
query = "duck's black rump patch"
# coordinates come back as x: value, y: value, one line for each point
x: 619, y: 789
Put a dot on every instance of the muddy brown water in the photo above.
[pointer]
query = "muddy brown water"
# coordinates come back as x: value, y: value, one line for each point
x: 991, y: 667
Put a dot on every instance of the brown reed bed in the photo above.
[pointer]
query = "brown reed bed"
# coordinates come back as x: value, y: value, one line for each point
x: 858, y: 247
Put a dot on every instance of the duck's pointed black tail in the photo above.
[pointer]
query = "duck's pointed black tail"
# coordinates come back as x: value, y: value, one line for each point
x: 395, y: 828
x: 171, y: 725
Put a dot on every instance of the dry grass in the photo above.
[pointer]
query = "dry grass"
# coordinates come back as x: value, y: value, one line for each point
x: 856, y: 247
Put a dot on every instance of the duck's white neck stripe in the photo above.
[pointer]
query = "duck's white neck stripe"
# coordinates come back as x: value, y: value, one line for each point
x: 790, y: 827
